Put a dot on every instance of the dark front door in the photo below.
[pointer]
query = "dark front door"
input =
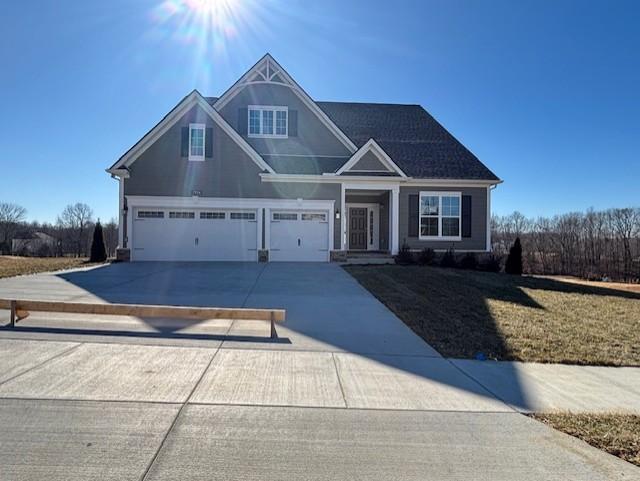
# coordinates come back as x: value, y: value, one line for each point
x: 357, y: 228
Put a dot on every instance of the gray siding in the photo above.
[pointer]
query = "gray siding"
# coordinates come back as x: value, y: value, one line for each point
x: 161, y: 171
x: 313, y: 137
x: 369, y: 161
x: 478, y: 239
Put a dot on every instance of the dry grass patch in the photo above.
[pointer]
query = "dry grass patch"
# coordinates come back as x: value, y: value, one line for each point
x: 617, y: 434
x: 463, y: 313
x: 11, y: 266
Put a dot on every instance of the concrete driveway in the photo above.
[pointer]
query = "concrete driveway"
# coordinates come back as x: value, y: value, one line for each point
x: 346, y: 392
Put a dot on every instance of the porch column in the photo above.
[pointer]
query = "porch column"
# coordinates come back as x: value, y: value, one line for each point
x: 343, y: 219
x: 120, y: 212
x: 394, y: 209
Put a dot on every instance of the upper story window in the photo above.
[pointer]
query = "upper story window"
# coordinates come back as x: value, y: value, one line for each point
x: 196, y: 141
x: 268, y: 121
x: 440, y: 215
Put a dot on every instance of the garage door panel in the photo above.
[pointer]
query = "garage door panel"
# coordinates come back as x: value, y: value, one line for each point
x: 299, y: 236
x: 192, y: 235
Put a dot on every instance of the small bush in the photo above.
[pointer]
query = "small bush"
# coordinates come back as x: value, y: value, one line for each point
x: 514, y: 261
x: 469, y: 261
x: 448, y: 259
x: 490, y: 264
x: 427, y: 257
x: 404, y: 256
x: 98, y: 250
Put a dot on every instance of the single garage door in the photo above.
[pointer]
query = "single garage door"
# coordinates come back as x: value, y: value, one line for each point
x: 299, y: 236
x: 194, y: 235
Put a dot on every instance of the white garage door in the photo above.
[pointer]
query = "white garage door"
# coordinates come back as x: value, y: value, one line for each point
x: 299, y: 236
x: 194, y: 235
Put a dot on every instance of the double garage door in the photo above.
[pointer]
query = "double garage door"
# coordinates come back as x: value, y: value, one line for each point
x: 161, y: 234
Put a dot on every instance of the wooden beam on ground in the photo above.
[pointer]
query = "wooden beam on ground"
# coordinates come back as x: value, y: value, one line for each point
x: 21, y: 308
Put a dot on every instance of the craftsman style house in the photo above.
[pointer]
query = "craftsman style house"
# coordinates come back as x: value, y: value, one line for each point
x: 264, y: 172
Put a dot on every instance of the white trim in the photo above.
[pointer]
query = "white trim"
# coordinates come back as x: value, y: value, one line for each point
x: 371, y: 207
x: 202, y: 127
x: 440, y: 195
x: 383, y: 157
x: 191, y: 100
x: 226, y: 203
x: 271, y: 65
x: 409, y: 182
x: 268, y: 108
x: 394, y: 222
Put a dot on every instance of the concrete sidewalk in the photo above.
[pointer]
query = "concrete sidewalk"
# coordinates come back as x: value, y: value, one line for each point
x: 533, y: 387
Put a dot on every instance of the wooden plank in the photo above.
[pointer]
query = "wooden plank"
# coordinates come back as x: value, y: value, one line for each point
x: 141, y: 310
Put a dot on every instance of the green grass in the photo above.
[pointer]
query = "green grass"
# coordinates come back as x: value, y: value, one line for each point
x: 463, y: 313
x: 11, y: 266
x: 617, y: 434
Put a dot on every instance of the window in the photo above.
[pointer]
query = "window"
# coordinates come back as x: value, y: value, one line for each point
x: 285, y: 216
x: 196, y: 141
x: 181, y: 215
x: 315, y: 216
x: 243, y: 215
x: 150, y: 214
x: 212, y: 215
x: 440, y: 215
x: 268, y: 121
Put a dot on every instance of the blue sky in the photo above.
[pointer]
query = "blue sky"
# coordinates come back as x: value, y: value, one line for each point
x: 545, y: 93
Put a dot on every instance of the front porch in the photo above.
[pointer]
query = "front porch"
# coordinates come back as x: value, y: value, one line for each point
x: 370, y: 219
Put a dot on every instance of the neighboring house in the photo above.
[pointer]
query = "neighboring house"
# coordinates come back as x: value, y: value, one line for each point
x: 34, y: 244
x: 265, y: 172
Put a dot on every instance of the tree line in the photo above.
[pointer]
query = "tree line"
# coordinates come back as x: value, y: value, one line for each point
x: 593, y: 244
x: 72, y: 231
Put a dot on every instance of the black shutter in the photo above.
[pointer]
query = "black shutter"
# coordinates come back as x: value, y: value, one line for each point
x: 184, y: 147
x: 208, y: 142
x: 243, y: 120
x: 293, y: 123
x: 466, y: 216
x: 413, y: 215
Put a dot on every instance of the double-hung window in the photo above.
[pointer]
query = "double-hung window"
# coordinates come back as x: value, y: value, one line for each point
x: 440, y: 215
x: 268, y: 121
x: 196, y: 141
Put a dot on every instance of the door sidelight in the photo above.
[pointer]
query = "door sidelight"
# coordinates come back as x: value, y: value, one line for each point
x: 197, y: 240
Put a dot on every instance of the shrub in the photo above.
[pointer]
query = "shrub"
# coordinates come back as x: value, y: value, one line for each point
x: 490, y: 264
x: 514, y: 261
x: 426, y: 257
x: 404, y: 256
x: 98, y: 250
x: 448, y: 259
x: 469, y: 261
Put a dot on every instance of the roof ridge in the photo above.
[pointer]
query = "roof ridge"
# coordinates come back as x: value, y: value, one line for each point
x: 367, y: 103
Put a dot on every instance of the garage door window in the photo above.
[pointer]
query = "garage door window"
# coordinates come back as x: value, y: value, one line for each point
x: 284, y: 216
x: 243, y: 215
x: 315, y: 216
x: 212, y: 215
x: 150, y: 214
x: 181, y: 215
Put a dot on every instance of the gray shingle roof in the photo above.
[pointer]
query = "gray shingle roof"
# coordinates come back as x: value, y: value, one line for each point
x: 413, y: 139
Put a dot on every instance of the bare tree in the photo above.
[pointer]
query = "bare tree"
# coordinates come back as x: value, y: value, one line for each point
x: 11, y: 216
x: 111, y: 237
x: 76, y: 219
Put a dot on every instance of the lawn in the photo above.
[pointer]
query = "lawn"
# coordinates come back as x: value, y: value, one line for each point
x: 465, y: 313
x: 617, y: 434
x: 16, y: 266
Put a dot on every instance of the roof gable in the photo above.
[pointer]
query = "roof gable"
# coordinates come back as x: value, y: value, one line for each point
x: 191, y: 100
x: 364, y: 153
x: 268, y: 71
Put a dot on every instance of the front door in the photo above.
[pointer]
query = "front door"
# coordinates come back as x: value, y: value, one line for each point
x: 357, y: 228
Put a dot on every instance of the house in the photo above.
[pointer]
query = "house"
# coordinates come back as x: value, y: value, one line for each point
x: 264, y: 172
x: 34, y: 244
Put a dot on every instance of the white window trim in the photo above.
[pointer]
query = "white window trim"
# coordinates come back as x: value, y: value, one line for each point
x: 274, y: 109
x: 440, y: 195
x: 202, y: 127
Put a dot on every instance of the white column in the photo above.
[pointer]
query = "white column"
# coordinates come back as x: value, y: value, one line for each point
x: 394, y: 209
x: 343, y: 219
x: 259, y: 228
x: 120, y: 213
